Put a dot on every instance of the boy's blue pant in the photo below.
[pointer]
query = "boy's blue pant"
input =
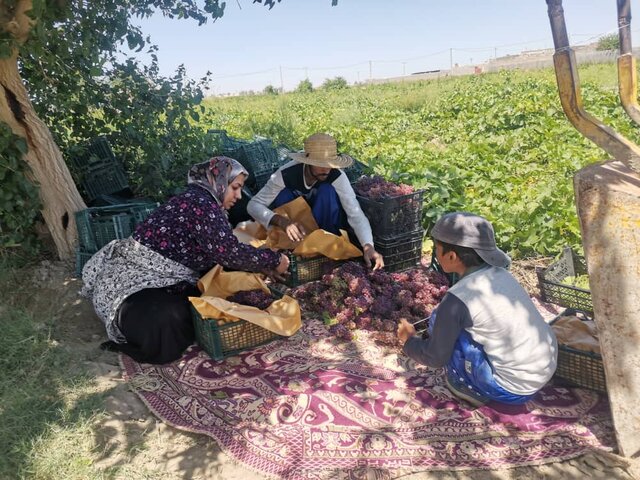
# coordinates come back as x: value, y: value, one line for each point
x: 470, y: 371
x: 325, y: 206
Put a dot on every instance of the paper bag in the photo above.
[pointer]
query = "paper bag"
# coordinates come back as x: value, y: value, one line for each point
x: 282, y: 317
x: 317, y: 242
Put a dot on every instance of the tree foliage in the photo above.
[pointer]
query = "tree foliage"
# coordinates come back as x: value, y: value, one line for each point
x: 76, y: 65
x: 305, y: 86
x: 608, y: 42
x: 270, y: 90
x: 19, y: 202
x: 337, y: 83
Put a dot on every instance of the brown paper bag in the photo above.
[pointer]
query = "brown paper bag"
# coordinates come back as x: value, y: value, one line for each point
x: 317, y: 242
x: 326, y: 243
x: 282, y: 317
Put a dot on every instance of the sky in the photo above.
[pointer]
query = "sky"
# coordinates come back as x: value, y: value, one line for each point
x: 251, y: 46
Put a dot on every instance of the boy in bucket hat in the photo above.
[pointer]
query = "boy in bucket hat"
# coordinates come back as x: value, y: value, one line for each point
x: 489, y: 336
x: 316, y: 175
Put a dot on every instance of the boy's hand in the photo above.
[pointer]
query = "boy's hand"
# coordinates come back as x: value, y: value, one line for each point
x: 405, y: 331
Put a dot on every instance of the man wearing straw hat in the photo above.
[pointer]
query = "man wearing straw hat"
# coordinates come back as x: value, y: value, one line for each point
x: 316, y: 175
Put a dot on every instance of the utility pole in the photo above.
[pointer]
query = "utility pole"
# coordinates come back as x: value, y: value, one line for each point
x: 451, y: 59
x: 370, y: 73
x: 281, y: 81
x: 495, y: 52
x: 306, y: 73
x: 404, y: 71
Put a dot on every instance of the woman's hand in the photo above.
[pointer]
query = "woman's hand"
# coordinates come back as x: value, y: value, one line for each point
x: 371, y: 257
x: 281, y: 272
x: 283, y: 266
x: 405, y: 331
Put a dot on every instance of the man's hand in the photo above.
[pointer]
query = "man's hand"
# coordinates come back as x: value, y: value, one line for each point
x: 294, y: 230
x: 405, y: 331
x: 371, y: 257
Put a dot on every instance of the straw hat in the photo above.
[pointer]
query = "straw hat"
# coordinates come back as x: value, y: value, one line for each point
x: 321, y: 150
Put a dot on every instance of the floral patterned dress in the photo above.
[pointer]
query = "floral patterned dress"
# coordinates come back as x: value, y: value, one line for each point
x: 179, y: 241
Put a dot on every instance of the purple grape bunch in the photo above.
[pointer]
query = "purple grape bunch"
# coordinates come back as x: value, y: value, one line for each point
x: 376, y: 187
x: 253, y: 298
x: 355, y: 298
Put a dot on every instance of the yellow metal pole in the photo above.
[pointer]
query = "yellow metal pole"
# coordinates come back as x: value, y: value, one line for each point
x: 627, y: 77
x: 628, y: 86
x: 605, y: 137
x: 568, y: 81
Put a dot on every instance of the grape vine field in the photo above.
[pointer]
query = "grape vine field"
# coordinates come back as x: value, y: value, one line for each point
x: 498, y: 144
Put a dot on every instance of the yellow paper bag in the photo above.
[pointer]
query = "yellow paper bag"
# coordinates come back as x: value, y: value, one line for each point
x: 281, y: 317
x: 297, y: 210
x: 317, y: 242
x: 326, y: 243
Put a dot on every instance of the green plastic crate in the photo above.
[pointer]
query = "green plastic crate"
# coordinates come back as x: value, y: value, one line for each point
x: 93, y: 155
x: 105, y: 180
x: 82, y: 257
x: 98, y: 226
x: 221, y: 341
x: 308, y: 269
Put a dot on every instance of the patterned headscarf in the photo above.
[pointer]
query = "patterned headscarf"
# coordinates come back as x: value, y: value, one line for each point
x: 215, y: 175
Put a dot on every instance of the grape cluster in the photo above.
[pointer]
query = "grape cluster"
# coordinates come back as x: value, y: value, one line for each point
x: 376, y: 187
x: 253, y: 298
x: 353, y: 297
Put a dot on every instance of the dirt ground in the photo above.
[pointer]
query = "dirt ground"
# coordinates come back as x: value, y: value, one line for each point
x: 131, y: 437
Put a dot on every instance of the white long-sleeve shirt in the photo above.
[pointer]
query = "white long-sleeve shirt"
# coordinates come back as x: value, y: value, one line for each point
x: 258, y: 206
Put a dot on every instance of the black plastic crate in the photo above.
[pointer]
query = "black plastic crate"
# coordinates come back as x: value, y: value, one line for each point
x: 393, y: 216
x: 258, y: 157
x: 260, y: 181
x: 552, y: 288
x: 283, y: 154
x: 96, y: 154
x: 97, y: 226
x: 402, y: 252
x: 105, y: 180
x: 227, y: 143
x: 308, y: 269
x: 577, y: 367
x: 435, y: 266
x: 355, y: 171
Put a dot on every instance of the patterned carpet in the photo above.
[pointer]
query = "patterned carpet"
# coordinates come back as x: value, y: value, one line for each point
x: 312, y: 407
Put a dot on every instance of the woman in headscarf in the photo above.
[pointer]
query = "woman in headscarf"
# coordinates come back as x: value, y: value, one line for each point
x: 139, y: 286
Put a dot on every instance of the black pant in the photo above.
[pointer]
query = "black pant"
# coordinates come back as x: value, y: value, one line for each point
x: 157, y: 323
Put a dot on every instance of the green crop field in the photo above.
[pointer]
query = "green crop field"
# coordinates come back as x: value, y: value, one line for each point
x: 495, y: 144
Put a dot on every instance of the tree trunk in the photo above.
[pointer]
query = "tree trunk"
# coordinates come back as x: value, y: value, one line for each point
x: 60, y: 197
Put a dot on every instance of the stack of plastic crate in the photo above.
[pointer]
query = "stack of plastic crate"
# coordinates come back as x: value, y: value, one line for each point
x: 97, y: 226
x: 98, y: 171
x: 259, y: 156
x: 396, y: 223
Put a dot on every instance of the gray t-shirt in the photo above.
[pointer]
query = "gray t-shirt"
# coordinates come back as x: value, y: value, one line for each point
x: 499, y: 314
